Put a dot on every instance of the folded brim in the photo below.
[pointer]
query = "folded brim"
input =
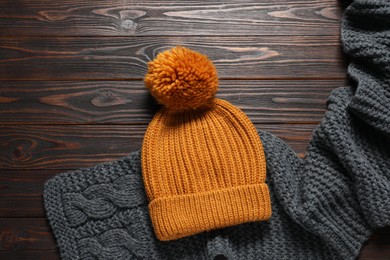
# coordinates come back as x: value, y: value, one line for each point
x: 184, y: 215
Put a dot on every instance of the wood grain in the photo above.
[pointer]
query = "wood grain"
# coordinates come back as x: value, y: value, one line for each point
x: 30, y: 254
x: 128, y: 102
x: 377, y: 247
x: 133, y: 18
x: 71, y: 90
x: 23, y: 237
x: 21, y: 192
x: 26, y: 238
x: 251, y: 57
x: 24, y: 234
x: 74, y: 146
x: 46, y: 146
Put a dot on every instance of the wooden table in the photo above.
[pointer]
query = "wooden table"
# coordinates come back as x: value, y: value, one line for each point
x: 72, y: 95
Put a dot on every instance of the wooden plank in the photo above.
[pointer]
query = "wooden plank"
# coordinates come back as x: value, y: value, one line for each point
x: 117, y: 17
x: 21, y: 192
x: 74, y: 146
x: 20, y: 234
x: 378, y: 246
x: 127, y: 102
x: 250, y: 57
x: 30, y: 254
x: 25, y: 237
x: 46, y: 146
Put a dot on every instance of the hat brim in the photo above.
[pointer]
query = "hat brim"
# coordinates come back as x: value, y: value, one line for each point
x: 184, y: 215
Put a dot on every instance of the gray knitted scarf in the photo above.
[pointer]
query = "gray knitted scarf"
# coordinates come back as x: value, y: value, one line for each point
x: 324, y: 206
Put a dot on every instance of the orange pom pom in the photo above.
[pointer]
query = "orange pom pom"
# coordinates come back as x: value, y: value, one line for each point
x: 182, y: 79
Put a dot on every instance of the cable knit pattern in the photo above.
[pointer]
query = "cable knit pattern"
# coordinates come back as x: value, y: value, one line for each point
x: 324, y: 206
x: 100, y: 201
x: 96, y: 211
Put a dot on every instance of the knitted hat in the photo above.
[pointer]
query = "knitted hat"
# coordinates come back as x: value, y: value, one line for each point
x: 202, y: 159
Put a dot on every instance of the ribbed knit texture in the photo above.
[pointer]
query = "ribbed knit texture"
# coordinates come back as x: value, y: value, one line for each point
x: 203, y: 169
x: 324, y: 206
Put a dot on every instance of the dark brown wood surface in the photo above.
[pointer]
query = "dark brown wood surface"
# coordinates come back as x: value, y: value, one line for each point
x: 129, y: 102
x: 139, y: 18
x: 72, y: 95
x: 254, y: 57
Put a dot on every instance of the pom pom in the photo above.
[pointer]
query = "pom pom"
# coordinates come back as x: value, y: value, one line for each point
x: 182, y: 79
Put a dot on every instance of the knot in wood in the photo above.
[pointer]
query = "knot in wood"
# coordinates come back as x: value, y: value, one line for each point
x: 128, y: 24
x: 8, y: 240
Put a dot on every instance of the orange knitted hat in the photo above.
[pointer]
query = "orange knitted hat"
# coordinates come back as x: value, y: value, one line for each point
x: 203, y: 162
